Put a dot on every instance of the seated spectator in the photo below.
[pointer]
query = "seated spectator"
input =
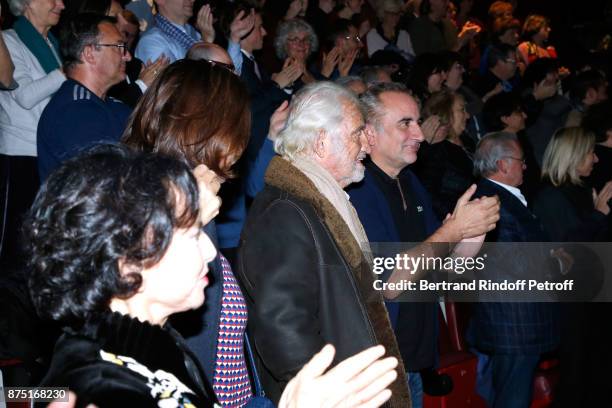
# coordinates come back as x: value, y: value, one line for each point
x: 387, y: 35
x: 345, y: 49
x: 427, y: 76
x: 319, y: 15
x: 598, y: 120
x: 501, y: 74
x: 433, y: 32
x: 171, y: 35
x: 586, y: 89
x: 294, y: 44
x: 445, y: 168
x: 80, y: 114
x: 112, y: 275
x: 536, y: 30
x: 34, y: 52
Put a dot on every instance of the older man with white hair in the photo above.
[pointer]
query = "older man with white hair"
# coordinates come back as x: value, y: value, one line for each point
x: 303, y: 259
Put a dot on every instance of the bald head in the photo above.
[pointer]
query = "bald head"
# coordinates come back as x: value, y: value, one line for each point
x: 209, y: 52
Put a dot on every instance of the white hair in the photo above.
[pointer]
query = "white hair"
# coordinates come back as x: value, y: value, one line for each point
x: 17, y: 6
x: 320, y: 106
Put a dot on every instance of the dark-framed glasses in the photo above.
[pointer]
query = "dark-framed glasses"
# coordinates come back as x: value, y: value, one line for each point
x: 122, y: 47
x: 230, y: 67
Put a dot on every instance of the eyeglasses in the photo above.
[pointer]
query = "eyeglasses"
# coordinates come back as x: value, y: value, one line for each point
x: 297, y: 40
x: 522, y: 160
x: 511, y: 61
x: 123, y: 48
x: 230, y: 67
x: 355, y: 38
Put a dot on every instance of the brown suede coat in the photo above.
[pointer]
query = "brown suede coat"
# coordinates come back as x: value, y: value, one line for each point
x: 283, y: 175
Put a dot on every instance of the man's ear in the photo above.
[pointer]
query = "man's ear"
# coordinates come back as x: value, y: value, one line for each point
x: 370, y: 134
x: 88, y: 55
x: 321, y: 144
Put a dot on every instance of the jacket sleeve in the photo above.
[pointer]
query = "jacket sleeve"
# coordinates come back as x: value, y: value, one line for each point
x: 279, y: 266
x: 30, y: 91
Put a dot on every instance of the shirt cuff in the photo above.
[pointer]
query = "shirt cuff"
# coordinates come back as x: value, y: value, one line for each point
x: 143, y: 87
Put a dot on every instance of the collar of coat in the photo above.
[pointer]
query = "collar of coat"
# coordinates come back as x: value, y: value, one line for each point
x: 285, y: 176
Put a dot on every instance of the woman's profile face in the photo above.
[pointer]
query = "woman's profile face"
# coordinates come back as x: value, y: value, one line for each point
x: 176, y: 283
x: 435, y: 81
x: 460, y: 116
x: 586, y: 166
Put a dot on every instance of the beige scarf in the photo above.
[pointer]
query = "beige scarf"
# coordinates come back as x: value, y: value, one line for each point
x: 329, y: 187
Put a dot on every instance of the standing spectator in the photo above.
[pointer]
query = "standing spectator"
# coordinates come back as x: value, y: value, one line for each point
x: 510, y: 337
x: 171, y: 35
x: 6, y: 64
x: 80, y: 113
x: 599, y: 121
x: 34, y: 51
x: 387, y: 35
x: 433, y: 32
x: 571, y: 211
x: 294, y: 43
x: 536, y: 30
x: 445, y: 168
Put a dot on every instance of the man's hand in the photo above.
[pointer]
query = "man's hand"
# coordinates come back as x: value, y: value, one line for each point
x: 204, y: 23
x: 358, y: 381
x: 472, y: 218
x: 208, y: 184
x: 294, y: 9
x: 241, y: 26
x: 544, y: 90
x: 290, y: 73
x: 150, y: 70
x: 278, y: 120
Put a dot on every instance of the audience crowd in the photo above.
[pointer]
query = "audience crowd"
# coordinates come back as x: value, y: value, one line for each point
x: 156, y: 153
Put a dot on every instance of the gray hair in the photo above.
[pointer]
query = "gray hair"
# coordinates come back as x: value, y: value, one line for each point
x: 289, y: 27
x: 18, y: 6
x: 319, y: 106
x: 492, y: 148
x: 372, y: 103
x: 347, y: 80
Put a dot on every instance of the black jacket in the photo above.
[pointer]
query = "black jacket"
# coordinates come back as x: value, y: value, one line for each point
x: 307, y: 283
x: 118, y: 361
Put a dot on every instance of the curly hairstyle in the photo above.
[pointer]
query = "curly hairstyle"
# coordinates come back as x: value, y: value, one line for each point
x: 195, y: 111
x: 293, y: 26
x: 106, y: 206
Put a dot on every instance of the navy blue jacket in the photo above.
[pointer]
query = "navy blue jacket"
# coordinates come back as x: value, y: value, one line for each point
x: 74, y: 120
x: 377, y: 220
x: 514, y: 328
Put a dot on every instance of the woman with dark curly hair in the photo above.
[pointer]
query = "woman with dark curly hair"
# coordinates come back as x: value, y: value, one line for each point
x: 116, y: 247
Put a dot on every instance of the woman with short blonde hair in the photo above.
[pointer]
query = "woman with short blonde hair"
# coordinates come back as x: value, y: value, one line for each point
x: 567, y: 151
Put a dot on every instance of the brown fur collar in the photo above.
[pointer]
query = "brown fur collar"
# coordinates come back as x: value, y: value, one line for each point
x: 285, y: 176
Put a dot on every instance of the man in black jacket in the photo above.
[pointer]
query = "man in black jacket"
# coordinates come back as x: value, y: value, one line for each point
x: 303, y: 259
